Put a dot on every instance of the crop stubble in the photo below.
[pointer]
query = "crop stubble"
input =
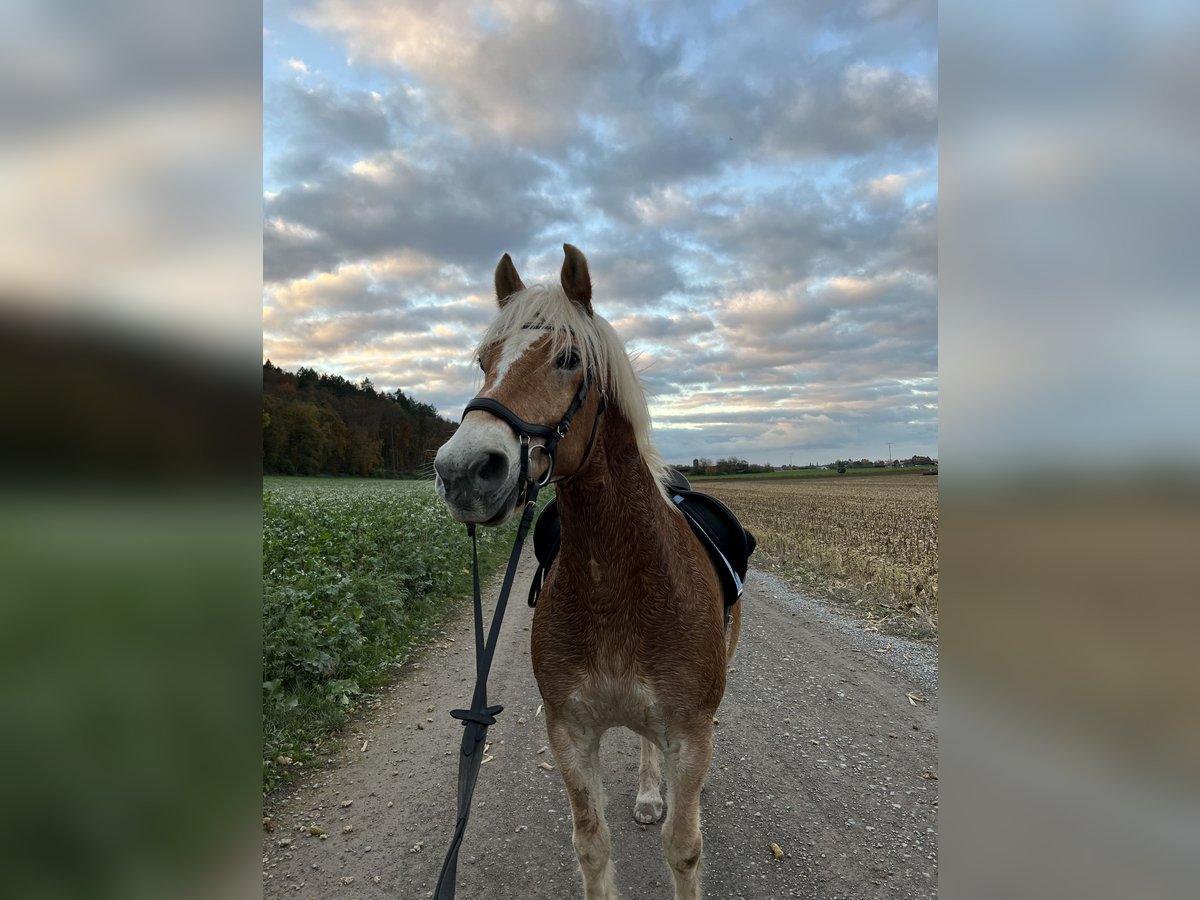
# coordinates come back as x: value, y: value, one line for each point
x: 867, y: 541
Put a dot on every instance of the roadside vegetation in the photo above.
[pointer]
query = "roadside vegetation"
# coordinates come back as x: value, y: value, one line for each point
x: 867, y: 542
x: 355, y: 573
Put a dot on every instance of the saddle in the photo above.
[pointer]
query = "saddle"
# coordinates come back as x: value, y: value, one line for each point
x: 729, y: 545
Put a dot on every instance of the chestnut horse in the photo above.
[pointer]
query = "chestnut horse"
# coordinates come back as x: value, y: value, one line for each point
x: 630, y: 627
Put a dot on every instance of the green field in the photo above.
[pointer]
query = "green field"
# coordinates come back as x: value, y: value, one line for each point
x: 355, y: 572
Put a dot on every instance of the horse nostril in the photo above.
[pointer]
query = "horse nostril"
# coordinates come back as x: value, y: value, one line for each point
x: 491, y: 468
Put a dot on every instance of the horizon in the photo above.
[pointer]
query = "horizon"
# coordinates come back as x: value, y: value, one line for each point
x: 755, y: 189
x: 680, y: 463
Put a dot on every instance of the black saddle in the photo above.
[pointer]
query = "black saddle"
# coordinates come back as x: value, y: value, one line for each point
x: 729, y: 545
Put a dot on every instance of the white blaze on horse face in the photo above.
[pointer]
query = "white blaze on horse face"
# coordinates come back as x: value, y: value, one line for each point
x: 514, y: 348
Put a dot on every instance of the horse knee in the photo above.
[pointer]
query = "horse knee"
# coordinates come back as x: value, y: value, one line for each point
x: 684, y: 852
x: 592, y: 842
x: 593, y: 858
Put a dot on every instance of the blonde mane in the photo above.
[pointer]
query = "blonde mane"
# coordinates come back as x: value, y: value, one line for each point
x: 600, y: 350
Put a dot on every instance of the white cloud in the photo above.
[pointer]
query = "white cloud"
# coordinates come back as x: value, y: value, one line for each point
x: 892, y: 186
x: 753, y: 195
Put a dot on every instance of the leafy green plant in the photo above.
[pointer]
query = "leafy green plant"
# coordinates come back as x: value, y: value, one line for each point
x: 355, y: 574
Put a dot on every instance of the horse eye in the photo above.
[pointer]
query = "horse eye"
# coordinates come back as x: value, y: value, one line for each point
x: 482, y: 368
x: 568, y: 359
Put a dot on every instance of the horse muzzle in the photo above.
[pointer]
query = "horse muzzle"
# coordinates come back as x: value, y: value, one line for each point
x: 478, y: 485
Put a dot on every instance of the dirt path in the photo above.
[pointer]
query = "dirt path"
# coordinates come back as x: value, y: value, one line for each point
x: 818, y: 750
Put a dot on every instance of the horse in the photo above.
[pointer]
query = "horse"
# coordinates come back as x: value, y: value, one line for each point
x: 630, y: 629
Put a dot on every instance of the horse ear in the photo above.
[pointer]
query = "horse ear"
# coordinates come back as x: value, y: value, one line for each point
x: 508, y: 282
x: 576, y: 281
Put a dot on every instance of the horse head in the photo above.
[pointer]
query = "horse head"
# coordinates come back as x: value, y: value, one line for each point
x: 545, y: 362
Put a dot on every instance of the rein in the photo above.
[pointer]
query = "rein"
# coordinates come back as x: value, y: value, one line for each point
x: 480, y: 716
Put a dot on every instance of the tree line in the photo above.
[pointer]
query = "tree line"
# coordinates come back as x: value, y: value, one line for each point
x: 320, y: 424
x: 730, y: 465
x: 733, y: 465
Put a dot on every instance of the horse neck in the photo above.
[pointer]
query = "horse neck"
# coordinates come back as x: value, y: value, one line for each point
x: 613, y: 497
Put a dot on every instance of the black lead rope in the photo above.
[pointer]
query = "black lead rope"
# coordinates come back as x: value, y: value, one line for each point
x: 477, y: 719
x: 480, y: 716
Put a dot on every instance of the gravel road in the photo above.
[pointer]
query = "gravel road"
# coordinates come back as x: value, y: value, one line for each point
x: 818, y: 750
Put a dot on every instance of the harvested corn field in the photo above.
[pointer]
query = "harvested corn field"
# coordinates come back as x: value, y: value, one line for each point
x: 870, y: 542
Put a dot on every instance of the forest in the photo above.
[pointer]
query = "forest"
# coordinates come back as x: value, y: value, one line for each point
x: 320, y: 424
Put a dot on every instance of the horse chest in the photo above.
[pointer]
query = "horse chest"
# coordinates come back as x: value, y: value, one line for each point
x: 590, y: 675
x: 617, y: 643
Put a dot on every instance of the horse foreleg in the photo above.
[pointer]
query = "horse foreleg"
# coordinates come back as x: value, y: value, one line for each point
x: 578, y: 758
x: 649, y: 806
x: 687, y: 766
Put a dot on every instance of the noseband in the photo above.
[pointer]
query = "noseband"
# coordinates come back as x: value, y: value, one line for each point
x: 526, y: 431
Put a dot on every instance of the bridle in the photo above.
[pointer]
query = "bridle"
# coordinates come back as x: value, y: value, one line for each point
x: 477, y: 719
x: 526, y: 431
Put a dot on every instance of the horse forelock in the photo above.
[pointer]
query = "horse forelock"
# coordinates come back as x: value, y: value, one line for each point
x: 547, y: 308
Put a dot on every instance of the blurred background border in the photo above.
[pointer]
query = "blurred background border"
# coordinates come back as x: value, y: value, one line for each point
x: 130, y: 523
x: 1068, y: 321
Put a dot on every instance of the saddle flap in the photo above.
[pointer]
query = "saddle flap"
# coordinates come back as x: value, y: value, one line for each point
x: 547, y: 534
x: 729, y: 544
x: 721, y: 525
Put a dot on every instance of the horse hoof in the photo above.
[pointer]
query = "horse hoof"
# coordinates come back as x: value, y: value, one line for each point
x: 648, y: 811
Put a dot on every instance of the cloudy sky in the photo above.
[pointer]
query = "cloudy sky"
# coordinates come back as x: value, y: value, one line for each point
x: 754, y: 185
